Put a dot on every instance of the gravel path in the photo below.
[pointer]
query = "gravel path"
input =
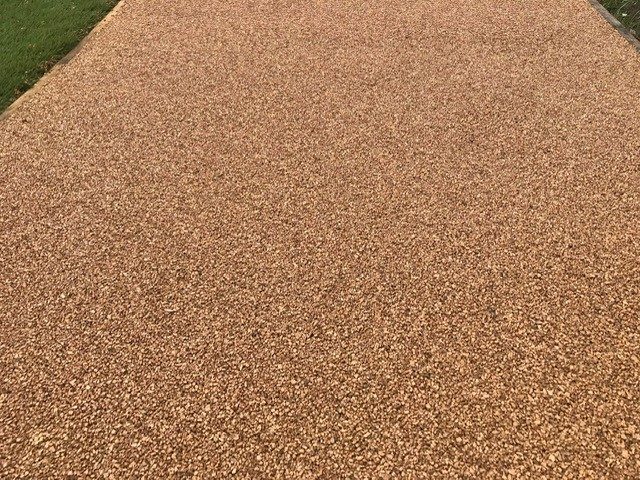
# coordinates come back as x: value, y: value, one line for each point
x: 336, y: 239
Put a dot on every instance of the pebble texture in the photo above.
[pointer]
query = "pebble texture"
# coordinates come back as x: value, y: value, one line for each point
x: 326, y: 239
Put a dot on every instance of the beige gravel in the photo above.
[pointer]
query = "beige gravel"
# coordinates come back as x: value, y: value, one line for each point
x: 333, y: 239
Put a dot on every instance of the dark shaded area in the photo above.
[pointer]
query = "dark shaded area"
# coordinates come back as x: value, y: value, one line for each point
x: 626, y: 11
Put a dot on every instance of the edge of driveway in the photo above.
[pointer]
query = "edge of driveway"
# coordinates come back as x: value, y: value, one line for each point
x: 615, y: 23
x: 622, y: 30
x: 61, y: 63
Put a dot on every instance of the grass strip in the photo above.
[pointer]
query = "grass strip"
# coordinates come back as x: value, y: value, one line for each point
x: 35, y: 34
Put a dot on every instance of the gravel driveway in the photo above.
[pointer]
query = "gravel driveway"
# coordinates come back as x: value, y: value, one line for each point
x: 325, y: 239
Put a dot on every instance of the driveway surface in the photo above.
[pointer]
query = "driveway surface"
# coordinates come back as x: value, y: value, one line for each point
x: 326, y: 239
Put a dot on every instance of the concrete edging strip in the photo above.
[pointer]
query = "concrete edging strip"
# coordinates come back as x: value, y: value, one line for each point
x: 61, y: 63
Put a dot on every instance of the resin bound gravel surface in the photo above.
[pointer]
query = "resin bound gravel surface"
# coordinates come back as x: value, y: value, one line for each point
x: 287, y: 239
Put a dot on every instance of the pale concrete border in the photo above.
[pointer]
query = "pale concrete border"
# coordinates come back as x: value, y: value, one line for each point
x: 61, y: 63
x: 615, y: 23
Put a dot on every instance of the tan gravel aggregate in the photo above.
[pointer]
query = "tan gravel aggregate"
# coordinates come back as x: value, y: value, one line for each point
x: 326, y: 239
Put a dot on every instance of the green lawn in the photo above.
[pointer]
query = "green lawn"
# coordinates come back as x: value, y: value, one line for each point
x: 627, y: 11
x: 35, y: 34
